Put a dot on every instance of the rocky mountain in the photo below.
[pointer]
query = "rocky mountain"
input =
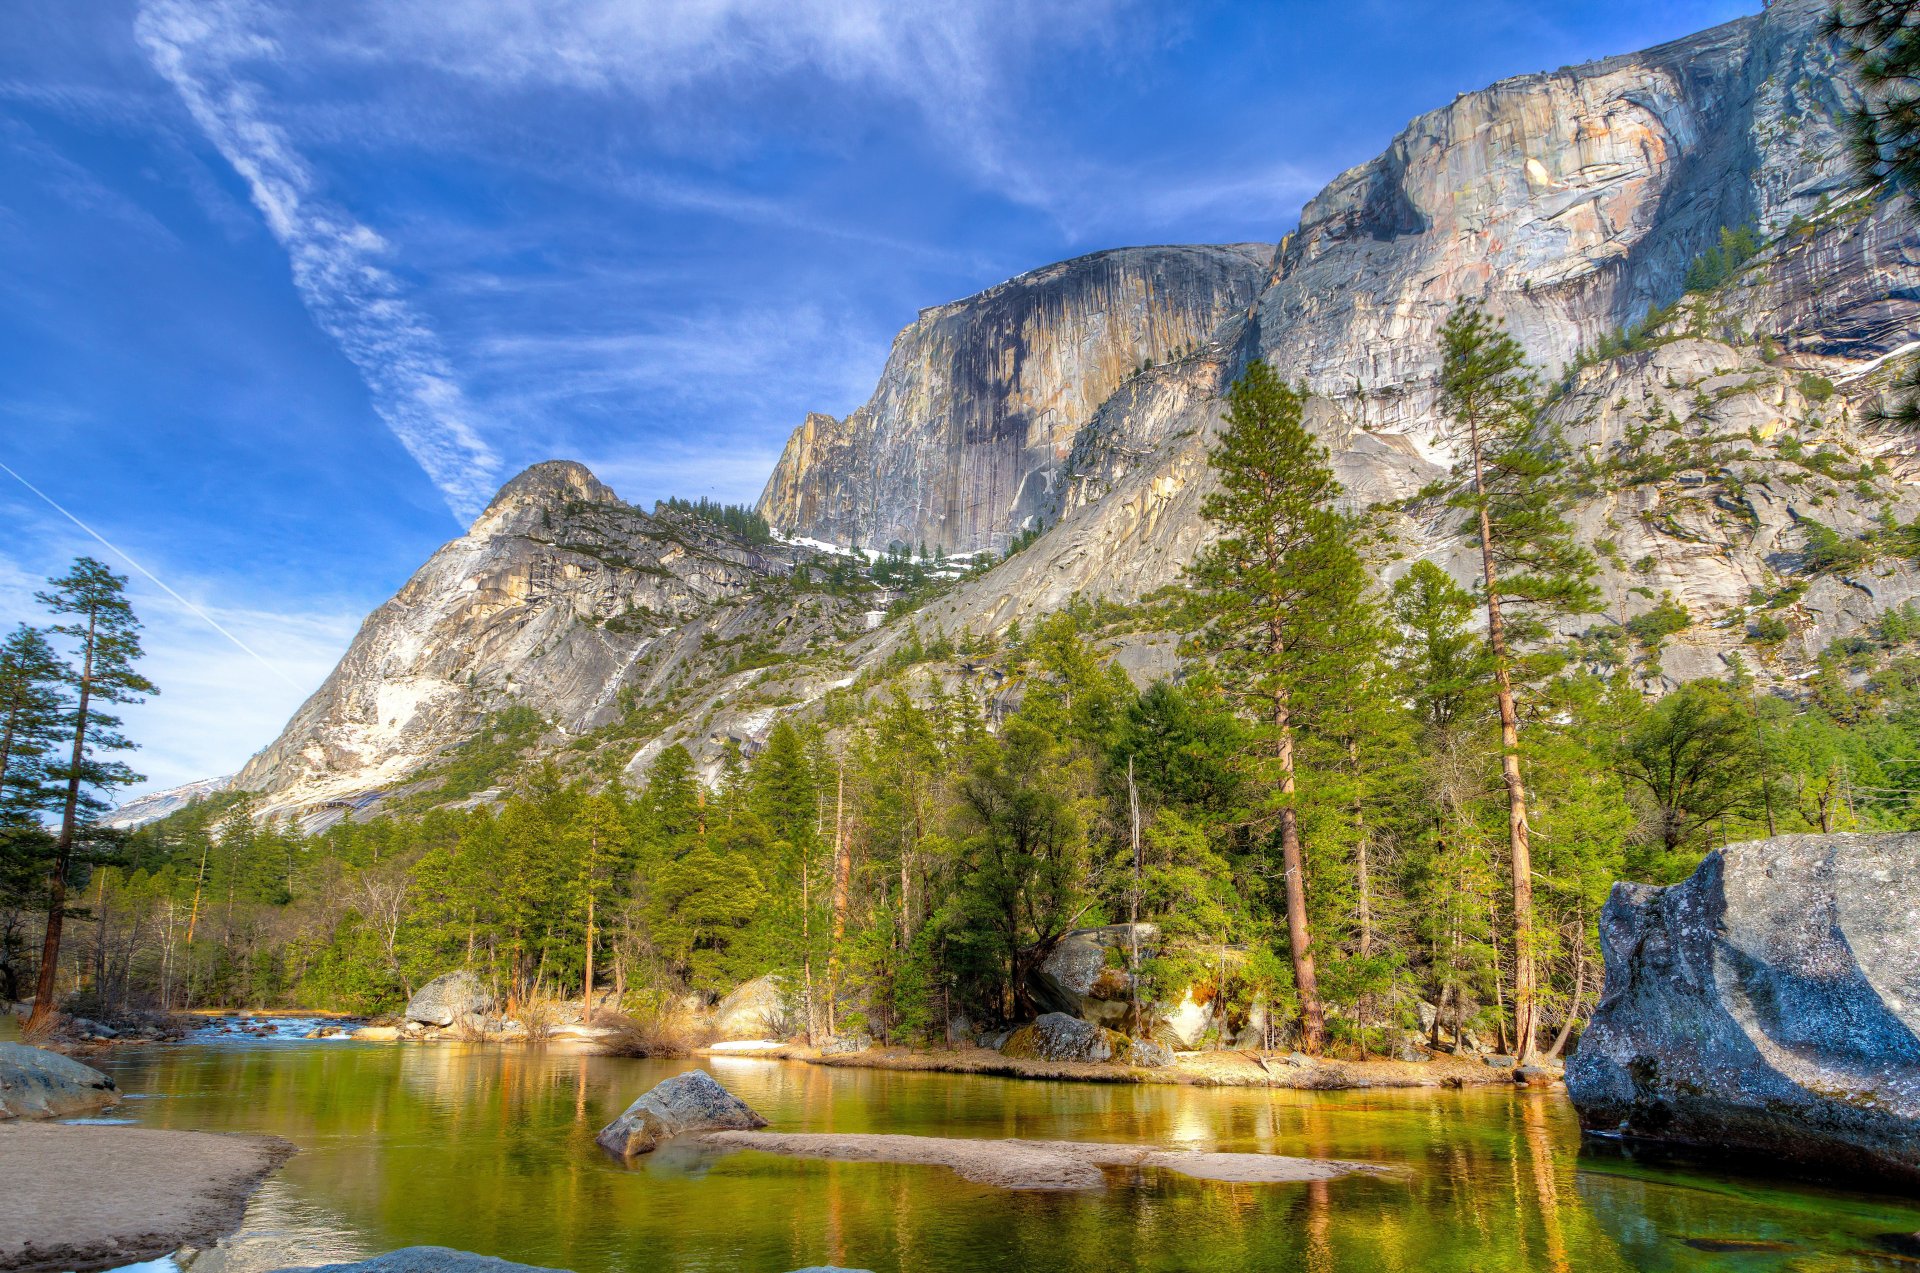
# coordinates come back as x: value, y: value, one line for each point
x: 1719, y: 426
x: 980, y: 402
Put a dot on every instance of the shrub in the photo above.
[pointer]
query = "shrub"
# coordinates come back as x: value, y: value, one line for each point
x: 1815, y: 388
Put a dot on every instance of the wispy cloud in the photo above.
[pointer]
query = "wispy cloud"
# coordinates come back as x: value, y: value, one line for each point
x: 338, y: 263
x: 956, y: 62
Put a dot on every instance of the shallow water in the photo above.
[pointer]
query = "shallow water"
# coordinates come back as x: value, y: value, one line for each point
x: 491, y: 1149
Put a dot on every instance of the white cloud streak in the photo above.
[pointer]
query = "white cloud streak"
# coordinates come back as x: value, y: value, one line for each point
x: 201, y: 48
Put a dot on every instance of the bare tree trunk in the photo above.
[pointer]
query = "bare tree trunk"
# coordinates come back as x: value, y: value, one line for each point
x: 1573, y: 1004
x: 842, y: 887
x: 1313, y: 1018
x: 1133, y: 904
x: 586, y: 990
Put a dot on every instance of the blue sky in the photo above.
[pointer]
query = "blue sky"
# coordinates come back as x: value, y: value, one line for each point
x: 287, y: 289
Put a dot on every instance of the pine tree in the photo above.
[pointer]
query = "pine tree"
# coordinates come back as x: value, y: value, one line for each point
x: 1514, y: 491
x: 1272, y: 593
x: 106, y: 637
x: 600, y: 843
x: 31, y: 703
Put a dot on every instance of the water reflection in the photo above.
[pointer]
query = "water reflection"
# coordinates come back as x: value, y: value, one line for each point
x: 492, y: 1150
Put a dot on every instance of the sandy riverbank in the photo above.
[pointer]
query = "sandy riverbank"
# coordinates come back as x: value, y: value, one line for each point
x: 88, y: 1197
x: 1035, y: 1164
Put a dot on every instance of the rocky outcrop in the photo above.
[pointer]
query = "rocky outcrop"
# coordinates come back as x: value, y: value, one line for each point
x: 1077, y: 979
x: 1767, y: 1006
x: 450, y: 997
x: 1055, y: 1036
x: 962, y: 443
x: 757, y: 1009
x: 36, y: 1083
x: 690, y: 1102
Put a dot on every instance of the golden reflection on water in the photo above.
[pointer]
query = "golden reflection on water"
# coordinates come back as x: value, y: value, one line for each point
x: 491, y: 1149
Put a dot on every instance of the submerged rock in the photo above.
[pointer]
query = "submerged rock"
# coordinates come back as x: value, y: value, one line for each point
x: 1055, y: 1036
x: 429, y: 1259
x: 448, y: 998
x: 690, y: 1102
x: 36, y: 1083
x: 1768, y: 1005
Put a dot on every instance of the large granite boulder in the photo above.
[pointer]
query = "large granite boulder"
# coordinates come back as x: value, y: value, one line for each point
x: 36, y: 1083
x: 1055, y: 1036
x: 1078, y: 978
x: 1768, y: 1005
x: 757, y: 1009
x: 449, y: 998
x: 690, y: 1102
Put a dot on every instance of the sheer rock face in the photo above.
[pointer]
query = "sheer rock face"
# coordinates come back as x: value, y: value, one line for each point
x: 981, y: 399
x: 1768, y: 1005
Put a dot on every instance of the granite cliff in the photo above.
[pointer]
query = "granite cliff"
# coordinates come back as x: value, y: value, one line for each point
x: 1080, y: 400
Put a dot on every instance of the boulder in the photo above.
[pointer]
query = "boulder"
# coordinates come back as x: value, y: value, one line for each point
x: 758, y: 1009
x: 36, y: 1083
x: 428, y: 1259
x: 1075, y: 977
x: 690, y: 1102
x: 377, y: 1033
x: 1187, y: 1021
x: 448, y: 998
x: 846, y: 1044
x: 1767, y: 1005
x: 1149, y: 1055
x: 1055, y: 1036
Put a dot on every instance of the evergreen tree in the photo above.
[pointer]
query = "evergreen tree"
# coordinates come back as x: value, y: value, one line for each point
x: 1274, y: 593
x: 106, y: 637
x: 31, y: 704
x: 1514, y: 491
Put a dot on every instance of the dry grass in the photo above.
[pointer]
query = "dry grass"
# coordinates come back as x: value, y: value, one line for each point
x: 655, y: 1032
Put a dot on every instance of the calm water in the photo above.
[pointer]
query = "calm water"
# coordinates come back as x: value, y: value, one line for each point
x: 492, y: 1150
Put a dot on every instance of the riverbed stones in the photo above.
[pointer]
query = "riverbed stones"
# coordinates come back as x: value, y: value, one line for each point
x: 757, y: 1009
x: 1055, y: 1036
x: 690, y: 1102
x: 449, y: 998
x: 36, y: 1083
x: 1768, y: 1005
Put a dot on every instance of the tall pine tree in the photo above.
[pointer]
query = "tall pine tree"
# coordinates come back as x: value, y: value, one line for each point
x: 1512, y: 488
x: 1272, y: 593
x: 106, y: 642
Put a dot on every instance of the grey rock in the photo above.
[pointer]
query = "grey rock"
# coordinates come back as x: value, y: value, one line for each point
x: 1409, y: 1046
x: 1533, y: 1076
x: 448, y: 998
x: 1149, y: 1055
x: 690, y: 1102
x: 1499, y: 1062
x: 757, y: 1009
x: 1076, y: 977
x: 36, y: 1083
x: 846, y: 1044
x: 1055, y: 1036
x: 1767, y: 1005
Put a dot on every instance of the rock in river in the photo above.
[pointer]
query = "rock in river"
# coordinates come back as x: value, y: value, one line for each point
x: 36, y: 1083
x: 690, y: 1102
x: 1767, y: 1005
x: 449, y: 997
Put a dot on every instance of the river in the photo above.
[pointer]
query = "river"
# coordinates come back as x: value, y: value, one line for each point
x: 490, y: 1149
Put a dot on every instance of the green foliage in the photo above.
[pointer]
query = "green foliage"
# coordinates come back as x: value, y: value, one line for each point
x: 1722, y: 261
x: 1830, y: 552
x: 1654, y: 626
x: 738, y: 519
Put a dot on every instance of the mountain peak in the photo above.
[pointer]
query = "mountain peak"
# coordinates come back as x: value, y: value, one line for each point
x: 548, y: 484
